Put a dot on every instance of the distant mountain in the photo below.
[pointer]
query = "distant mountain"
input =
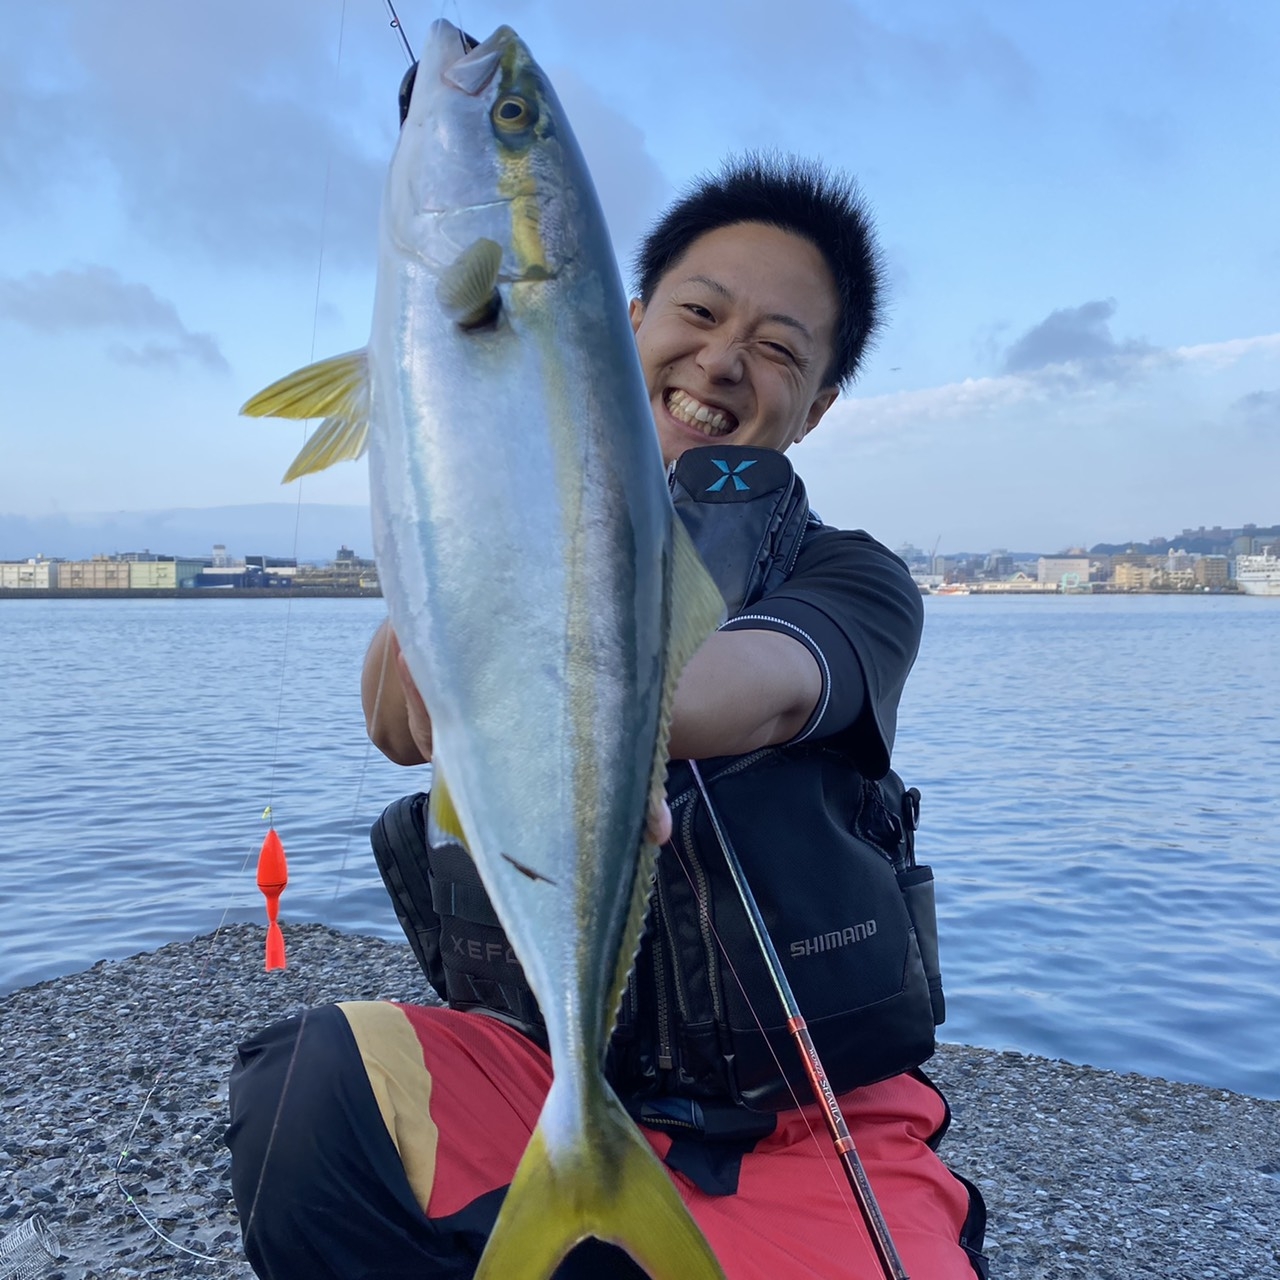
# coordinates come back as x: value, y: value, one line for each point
x: 266, y: 528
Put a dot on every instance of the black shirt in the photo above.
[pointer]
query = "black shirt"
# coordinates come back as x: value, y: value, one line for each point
x: 857, y: 608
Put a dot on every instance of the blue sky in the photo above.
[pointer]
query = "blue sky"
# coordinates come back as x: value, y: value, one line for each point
x: 1077, y: 204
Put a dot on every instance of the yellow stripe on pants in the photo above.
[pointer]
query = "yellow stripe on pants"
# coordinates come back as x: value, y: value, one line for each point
x: 401, y: 1083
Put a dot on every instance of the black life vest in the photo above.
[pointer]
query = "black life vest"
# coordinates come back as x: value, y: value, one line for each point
x: 828, y: 852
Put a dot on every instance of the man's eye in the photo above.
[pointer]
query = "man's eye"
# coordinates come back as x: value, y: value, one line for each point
x: 698, y: 310
x: 785, y: 352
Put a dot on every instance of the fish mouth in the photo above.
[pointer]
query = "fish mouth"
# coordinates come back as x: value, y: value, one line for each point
x: 708, y: 419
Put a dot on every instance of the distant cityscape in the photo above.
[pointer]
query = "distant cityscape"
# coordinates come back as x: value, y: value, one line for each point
x: 1197, y: 560
x: 151, y: 573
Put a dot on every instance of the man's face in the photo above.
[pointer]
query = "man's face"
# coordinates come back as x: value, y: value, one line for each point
x: 736, y: 339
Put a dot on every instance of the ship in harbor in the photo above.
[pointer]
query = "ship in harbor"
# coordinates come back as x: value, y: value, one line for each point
x: 1259, y: 575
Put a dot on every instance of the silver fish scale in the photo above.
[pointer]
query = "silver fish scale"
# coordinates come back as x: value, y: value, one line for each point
x: 523, y: 534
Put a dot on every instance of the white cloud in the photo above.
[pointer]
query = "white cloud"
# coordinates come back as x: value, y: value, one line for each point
x: 97, y: 298
x: 1222, y: 354
x: 1054, y: 383
x: 1052, y: 456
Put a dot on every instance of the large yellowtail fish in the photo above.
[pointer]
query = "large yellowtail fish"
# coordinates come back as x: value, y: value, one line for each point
x: 545, y: 595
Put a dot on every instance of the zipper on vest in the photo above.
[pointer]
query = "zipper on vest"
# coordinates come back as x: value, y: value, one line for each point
x: 665, y: 1060
x: 699, y: 874
x: 664, y: 915
x: 703, y: 890
x: 630, y: 1000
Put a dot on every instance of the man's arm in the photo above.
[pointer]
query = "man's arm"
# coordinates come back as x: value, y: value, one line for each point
x: 742, y: 690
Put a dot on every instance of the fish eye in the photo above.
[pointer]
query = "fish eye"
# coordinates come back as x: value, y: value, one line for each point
x: 512, y: 113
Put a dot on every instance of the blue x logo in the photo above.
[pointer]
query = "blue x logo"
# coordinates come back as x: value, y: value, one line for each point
x: 730, y: 475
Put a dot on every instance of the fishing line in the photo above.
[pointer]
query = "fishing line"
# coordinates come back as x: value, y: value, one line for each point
x: 302, y: 1023
x: 167, y: 1054
x: 377, y: 704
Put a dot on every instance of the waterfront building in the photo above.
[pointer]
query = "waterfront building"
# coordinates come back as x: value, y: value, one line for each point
x: 1212, y: 572
x: 1127, y: 576
x: 37, y: 574
x: 1019, y: 584
x: 102, y: 573
x: 276, y: 570
x: 347, y: 571
x: 167, y: 572
x: 1058, y: 569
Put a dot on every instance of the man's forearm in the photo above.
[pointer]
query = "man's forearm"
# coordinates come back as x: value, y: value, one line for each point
x: 741, y: 691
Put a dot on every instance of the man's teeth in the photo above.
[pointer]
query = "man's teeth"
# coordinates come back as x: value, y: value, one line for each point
x: 696, y: 414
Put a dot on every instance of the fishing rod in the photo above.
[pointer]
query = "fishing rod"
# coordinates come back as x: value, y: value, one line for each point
x: 872, y: 1217
x: 399, y: 30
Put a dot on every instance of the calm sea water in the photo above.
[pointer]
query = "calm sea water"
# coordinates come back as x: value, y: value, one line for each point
x: 1101, y: 782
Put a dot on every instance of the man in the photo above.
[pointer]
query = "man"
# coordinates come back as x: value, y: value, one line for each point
x: 397, y: 1130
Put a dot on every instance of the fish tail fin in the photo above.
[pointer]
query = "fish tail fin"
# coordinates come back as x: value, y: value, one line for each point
x: 617, y: 1191
x: 336, y: 390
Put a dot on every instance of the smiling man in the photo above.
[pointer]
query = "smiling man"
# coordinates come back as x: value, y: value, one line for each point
x: 736, y: 339
x: 758, y: 292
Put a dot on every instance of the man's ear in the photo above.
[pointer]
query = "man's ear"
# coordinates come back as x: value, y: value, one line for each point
x: 821, y: 403
x: 636, y: 312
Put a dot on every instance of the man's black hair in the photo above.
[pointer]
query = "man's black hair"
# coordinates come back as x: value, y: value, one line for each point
x: 796, y: 195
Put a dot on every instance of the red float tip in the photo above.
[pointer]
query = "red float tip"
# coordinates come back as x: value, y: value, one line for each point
x: 273, y: 871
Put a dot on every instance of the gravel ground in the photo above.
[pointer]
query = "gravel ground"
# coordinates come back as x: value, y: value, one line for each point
x: 1086, y: 1173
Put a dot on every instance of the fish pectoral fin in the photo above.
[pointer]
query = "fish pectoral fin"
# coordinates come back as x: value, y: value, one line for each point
x: 617, y: 1191
x: 319, y: 390
x: 468, y: 290
x: 334, y: 440
x: 336, y: 390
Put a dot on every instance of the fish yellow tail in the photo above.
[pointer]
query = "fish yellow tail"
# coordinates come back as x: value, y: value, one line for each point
x: 616, y: 1190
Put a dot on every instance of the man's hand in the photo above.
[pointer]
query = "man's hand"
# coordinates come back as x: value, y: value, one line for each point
x: 415, y: 708
x: 394, y: 714
x: 742, y: 690
x: 658, y: 825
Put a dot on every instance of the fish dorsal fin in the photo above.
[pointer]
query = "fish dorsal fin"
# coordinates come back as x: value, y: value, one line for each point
x: 468, y: 290
x: 336, y: 389
x: 443, y: 824
x: 696, y: 609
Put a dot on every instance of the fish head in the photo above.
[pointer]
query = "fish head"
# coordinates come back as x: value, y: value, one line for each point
x: 486, y: 152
